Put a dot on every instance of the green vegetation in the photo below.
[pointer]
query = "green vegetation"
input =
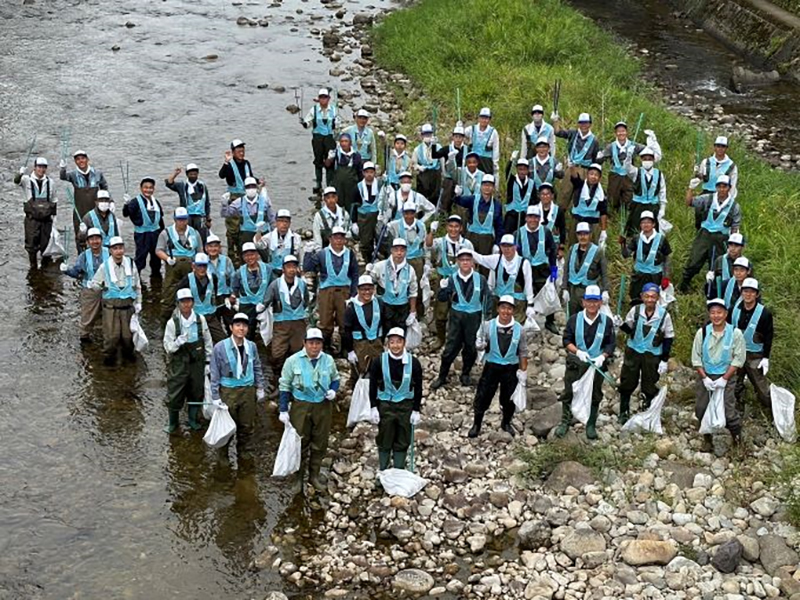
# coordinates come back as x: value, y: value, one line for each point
x: 786, y: 476
x: 507, y: 55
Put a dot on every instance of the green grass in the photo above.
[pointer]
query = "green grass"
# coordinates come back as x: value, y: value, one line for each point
x: 507, y: 54
x: 786, y: 476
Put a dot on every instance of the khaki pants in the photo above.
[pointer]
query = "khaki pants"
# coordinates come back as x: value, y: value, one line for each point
x: 702, y: 397
x: 573, y: 180
x: 441, y: 310
x: 331, y: 309
x: 241, y: 402
x: 620, y: 191
x: 91, y: 302
x: 312, y: 420
x: 418, y: 264
x: 287, y: 338
x: 117, y: 327
x: 367, y: 351
x: 174, y: 274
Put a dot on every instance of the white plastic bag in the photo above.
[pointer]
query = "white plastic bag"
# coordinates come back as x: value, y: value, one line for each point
x: 265, y: 321
x: 560, y: 278
x: 649, y: 420
x: 360, y: 409
x: 425, y: 285
x: 582, y: 396
x: 714, y: 417
x: 783, y: 412
x: 664, y: 226
x: 667, y: 296
x: 221, y: 428
x: 531, y: 325
x: 520, y: 397
x: 399, y: 482
x: 289, y: 453
x: 546, y: 301
x: 55, y: 247
x: 208, y: 406
x: 413, y: 335
x: 139, y: 338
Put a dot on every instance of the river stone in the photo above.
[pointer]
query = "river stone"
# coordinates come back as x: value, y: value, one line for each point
x: 569, y: 473
x: 789, y: 585
x: 727, y: 556
x: 276, y: 596
x: 533, y: 535
x: 580, y: 541
x: 545, y: 420
x: 648, y: 552
x: 681, y: 475
x: 765, y: 506
x: 362, y: 19
x: 414, y: 581
x: 750, y: 549
x: 539, y: 397
x: 774, y: 553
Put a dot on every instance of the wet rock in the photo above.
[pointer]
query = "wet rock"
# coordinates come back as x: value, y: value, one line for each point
x: 580, y: 541
x: 211, y: 57
x: 789, y: 585
x: 750, y: 549
x: 570, y: 473
x: 742, y: 78
x: 330, y: 40
x: 279, y: 89
x: 534, y: 535
x: 115, y: 48
x: 476, y: 543
x: 774, y: 553
x: 414, y: 581
x: 263, y: 23
x: 648, y: 552
x: 262, y: 86
x: 293, y: 109
x: 728, y: 556
x: 545, y: 420
x: 130, y: 24
x: 453, y: 475
x: 362, y: 19
x: 341, y: 13
x: 243, y: 21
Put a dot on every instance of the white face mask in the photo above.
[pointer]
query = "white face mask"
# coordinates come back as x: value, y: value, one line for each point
x: 427, y: 139
x: 251, y: 193
x: 405, y: 187
x: 103, y: 206
x: 647, y: 164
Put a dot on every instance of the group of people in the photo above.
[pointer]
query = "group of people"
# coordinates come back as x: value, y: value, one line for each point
x: 423, y: 237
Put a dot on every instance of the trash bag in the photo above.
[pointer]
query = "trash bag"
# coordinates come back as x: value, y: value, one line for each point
x: 208, y: 406
x: 648, y: 421
x: 55, y: 247
x: 532, y: 325
x: 582, y: 396
x: 560, y: 277
x: 221, y: 428
x: 399, y: 482
x: 359, y: 403
x: 664, y: 226
x: 265, y: 321
x: 289, y: 453
x: 714, y: 417
x: 139, y: 338
x: 425, y: 286
x: 783, y: 412
x: 413, y: 335
x: 667, y: 296
x: 546, y: 301
x: 520, y: 397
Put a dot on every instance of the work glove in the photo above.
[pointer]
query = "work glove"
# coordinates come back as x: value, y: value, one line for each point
x: 554, y: 116
x: 694, y: 182
x: 374, y: 416
x: 370, y: 268
x: 181, y: 340
x: 617, y: 320
x: 331, y: 153
x: 553, y: 273
x: 83, y: 228
x: 352, y: 357
x: 412, y: 318
x: 171, y: 261
x: 381, y: 133
x: 283, y: 417
x: 62, y: 164
x: 22, y: 170
x: 330, y: 395
x: 605, y: 298
x: 599, y: 361
x: 111, y: 206
x: 260, y: 307
x: 495, y: 249
x: 426, y: 270
x: 415, y: 418
x: 208, y: 370
x: 708, y: 383
x: 663, y: 366
x: 650, y: 133
x: 764, y: 366
x: 63, y: 267
x: 260, y: 395
x: 582, y: 356
x: 417, y: 169
x: 260, y: 227
x: 137, y: 307
x: 444, y: 283
x: 664, y: 283
x: 458, y: 190
x: 219, y: 403
x: 710, y: 277
x: 452, y: 154
x: 720, y: 383
x: 514, y: 155
x: 662, y: 210
x: 434, y: 226
x: 522, y: 377
x: 354, y: 228
x: 530, y: 313
x: 226, y: 197
x: 302, y: 122
x: 565, y: 297
x: 480, y: 344
x: 602, y: 239
x: 126, y: 198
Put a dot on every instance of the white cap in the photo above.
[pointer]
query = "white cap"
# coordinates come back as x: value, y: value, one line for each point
x: 736, y: 238
x: 323, y: 92
x: 40, y: 162
x: 647, y: 150
x: 721, y: 141
x: 201, y: 258
x: 404, y: 174
x: 399, y: 242
x: 458, y: 130
x: 741, y: 262
x: 181, y: 213
x: 400, y: 136
x: 537, y: 108
x: 368, y: 165
x: 584, y: 118
x: 329, y: 190
x: 365, y: 280
x: 240, y: 316
x: 455, y: 218
x: 290, y: 258
x: 464, y: 252
x: 620, y: 124
x: 314, y: 334
x: 362, y: 113
x: 78, y: 153
x: 115, y: 241
x: 583, y: 227
x: 592, y: 292
x: 487, y: 179
x: 185, y: 294
x: 647, y: 214
x: 283, y: 213
x: 427, y: 128
x: 596, y: 167
x: 248, y: 247
x: 534, y: 210
x: 192, y: 167
x: 93, y: 231
x: 716, y: 302
x: 723, y: 179
x: 250, y: 181
x: 542, y: 140
x: 103, y: 195
x: 485, y: 112
x: 507, y: 240
x: 337, y: 230
x: 507, y: 299
x: 213, y: 238
x: 751, y: 283
x: 236, y: 143
x: 522, y: 162
x: 409, y: 205
x: 398, y: 331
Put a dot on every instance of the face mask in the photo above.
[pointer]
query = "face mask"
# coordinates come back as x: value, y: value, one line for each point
x: 405, y: 187
x: 647, y: 164
x: 427, y: 139
x: 103, y: 206
x: 251, y: 193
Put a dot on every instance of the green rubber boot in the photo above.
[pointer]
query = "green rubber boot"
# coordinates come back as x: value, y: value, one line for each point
x: 384, y: 456
x: 399, y: 460
x: 624, y: 409
x: 591, y: 430
x: 193, y: 423
x: 566, y: 419
x: 174, y: 421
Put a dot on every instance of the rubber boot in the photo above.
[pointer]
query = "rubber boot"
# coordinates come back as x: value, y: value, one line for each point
x: 318, y: 177
x: 465, y: 380
x: 383, y: 459
x: 32, y: 258
x: 317, y: 481
x: 566, y: 419
x: 399, y: 460
x: 624, y: 408
x: 508, y: 427
x: 442, y: 378
x: 193, y: 412
x: 646, y: 402
x: 550, y: 324
x: 475, y: 430
x: 174, y: 421
x: 708, y: 444
x: 591, y: 430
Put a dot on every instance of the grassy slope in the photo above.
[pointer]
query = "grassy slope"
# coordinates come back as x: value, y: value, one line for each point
x: 507, y: 54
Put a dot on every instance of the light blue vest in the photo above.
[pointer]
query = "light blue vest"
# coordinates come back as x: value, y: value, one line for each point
x: 537, y: 180
x: 476, y: 190
x: 750, y: 331
x: 90, y: 269
x: 112, y: 226
x: 401, y: 298
x: 277, y: 255
x: 287, y: 313
x: 221, y: 271
x: 82, y: 181
x: 390, y: 393
x: 588, y: 211
x: 580, y: 276
x: 202, y: 306
x: 524, y: 238
x: 239, y: 187
x: 316, y: 380
x: 248, y: 377
x: 642, y: 343
x: 551, y: 221
x: 505, y: 286
x: 647, y: 264
x: 510, y: 357
x: 368, y: 206
x: 579, y: 157
x: 596, y: 349
x: 714, y: 169
x: 324, y: 126
x: 362, y: 141
x: 392, y: 174
x: 446, y: 268
x: 249, y: 296
x: 148, y: 224
x: 729, y: 289
x: 481, y: 141
x: 721, y: 366
x: 178, y: 249
x: 519, y: 202
x: 334, y: 279
x: 619, y: 165
x: 649, y: 194
x: 544, y: 131
x: 248, y: 223
x: 115, y: 292
x: 476, y: 226
x: 716, y: 224
x: 434, y: 164
x: 474, y: 304
x: 414, y: 248
x: 372, y: 330
x: 195, y: 207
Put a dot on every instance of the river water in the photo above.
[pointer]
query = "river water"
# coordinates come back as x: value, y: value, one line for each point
x: 95, y: 500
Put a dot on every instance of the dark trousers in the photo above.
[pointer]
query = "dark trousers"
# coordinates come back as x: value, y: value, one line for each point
x: 241, y: 402
x: 494, y: 376
x: 486, y: 164
x: 575, y: 370
x: 462, y: 329
x: 638, y: 369
x: 321, y: 145
x: 146, y: 246
x: 513, y: 221
x: 394, y: 429
x: 702, y: 250
x: 429, y: 183
x: 733, y: 421
x: 756, y: 376
x: 185, y: 377
x: 367, y: 235
x: 395, y: 316
x: 620, y: 192
x: 312, y: 420
x: 37, y: 235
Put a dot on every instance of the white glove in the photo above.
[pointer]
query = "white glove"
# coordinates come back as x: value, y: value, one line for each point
x: 600, y: 155
x: 617, y: 320
x: 137, y: 307
x: 331, y: 153
x: 330, y: 395
x: 530, y: 313
x: 181, y: 340
x: 650, y: 133
x: 662, y: 210
x: 412, y: 318
x: 370, y: 268
x: 208, y: 370
x: 565, y: 297
x: 602, y: 238
x: 283, y: 417
x: 83, y: 228
x: 514, y: 155
x: 444, y: 283
x: 62, y: 164
x: 764, y: 366
x: 352, y: 357
x: 374, y: 416
x: 354, y: 228
x: 598, y: 362
x: 171, y: 261
x: 495, y: 249
x: 260, y: 307
x: 663, y: 366
x: 219, y: 403
x: 694, y: 182
x: 710, y: 277
x: 111, y: 207
x: 582, y: 356
x: 22, y: 170
x: 522, y: 377
x: 415, y: 418
x: 452, y: 154
x: 605, y: 298
x: 554, y: 116
x: 720, y: 383
x: 459, y: 190
x: 260, y: 395
x: 63, y: 267
x: 481, y: 354
x: 708, y: 383
x: 426, y: 270
x: 260, y: 226
x: 434, y: 226
x: 126, y: 198
x: 226, y: 197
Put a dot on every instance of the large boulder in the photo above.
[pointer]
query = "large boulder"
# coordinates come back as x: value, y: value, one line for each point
x: 534, y: 535
x: 581, y: 541
x: 570, y: 473
x: 728, y: 556
x: 648, y: 552
x: 774, y: 553
x: 546, y: 419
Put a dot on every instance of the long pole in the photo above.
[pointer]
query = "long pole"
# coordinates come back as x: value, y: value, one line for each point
x: 638, y: 126
x: 621, y: 294
x: 30, y: 150
x: 411, y: 454
x: 458, y: 103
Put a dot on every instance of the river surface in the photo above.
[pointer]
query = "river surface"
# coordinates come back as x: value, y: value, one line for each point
x: 95, y: 500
